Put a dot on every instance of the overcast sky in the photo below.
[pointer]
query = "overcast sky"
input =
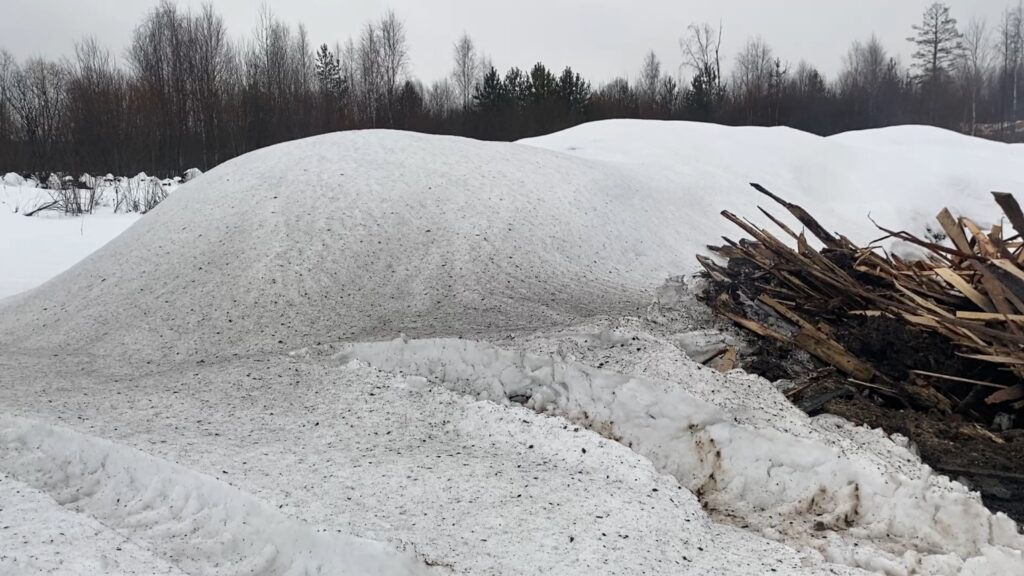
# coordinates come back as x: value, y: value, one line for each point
x: 599, y: 38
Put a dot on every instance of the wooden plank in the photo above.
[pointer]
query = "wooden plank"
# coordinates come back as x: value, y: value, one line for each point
x: 1006, y: 395
x: 984, y: 243
x: 989, y: 316
x: 957, y: 379
x: 954, y: 231
x: 1012, y: 210
x: 717, y: 273
x: 755, y: 327
x: 728, y: 360
x: 828, y: 351
x: 995, y: 359
x: 778, y: 223
x: 1010, y: 267
x: 957, y: 281
x: 806, y: 219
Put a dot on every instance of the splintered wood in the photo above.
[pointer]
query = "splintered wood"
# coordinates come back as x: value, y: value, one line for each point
x: 965, y: 300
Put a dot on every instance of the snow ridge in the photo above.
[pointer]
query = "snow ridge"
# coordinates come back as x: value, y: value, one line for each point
x: 202, y: 525
x: 802, y: 491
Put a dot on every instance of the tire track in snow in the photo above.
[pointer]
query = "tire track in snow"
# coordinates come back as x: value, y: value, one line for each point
x: 200, y: 524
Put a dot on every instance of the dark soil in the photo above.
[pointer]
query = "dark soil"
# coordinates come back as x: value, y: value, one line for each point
x: 990, y: 463
x: 947, y: 444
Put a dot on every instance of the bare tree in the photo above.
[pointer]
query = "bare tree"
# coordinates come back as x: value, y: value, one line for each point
x: 8, y: 67
x: 973, y: 66
x: 869, y: 83
x: 647, y: 87
x: 210, y: 59
x: 702, y: 54
x: 753, y: 77
x: 441, y: 99
x: 369, y: 76
x: 467, y: 70
x: 394, y: 55
x: 1011, y: 51
x: 38, y: 101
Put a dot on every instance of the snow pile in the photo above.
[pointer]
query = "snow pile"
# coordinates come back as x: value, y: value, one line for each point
x: 197, y: 523
x: 362, y: 234
x: 852, y: 508
x: 13, y: 179
x: 902, y: 176
x: 177, y: 331
x: 191, y: 174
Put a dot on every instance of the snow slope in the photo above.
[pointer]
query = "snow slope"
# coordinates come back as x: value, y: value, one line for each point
x: 203, y: 338
x: 902, y: 176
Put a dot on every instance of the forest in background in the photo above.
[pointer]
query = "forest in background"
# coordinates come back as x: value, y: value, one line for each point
x: 188, y: 95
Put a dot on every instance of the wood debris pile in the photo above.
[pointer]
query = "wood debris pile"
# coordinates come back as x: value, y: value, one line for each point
x: 942, y: 333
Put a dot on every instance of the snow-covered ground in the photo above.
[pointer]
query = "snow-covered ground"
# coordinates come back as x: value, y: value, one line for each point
x: 35, y: 249
x: 220, y: 388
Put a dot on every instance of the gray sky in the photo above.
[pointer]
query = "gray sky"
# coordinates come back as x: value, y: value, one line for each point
x: 599, y: 38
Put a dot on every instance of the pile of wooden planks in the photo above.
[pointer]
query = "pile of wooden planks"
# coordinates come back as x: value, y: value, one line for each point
x: 951, y: 323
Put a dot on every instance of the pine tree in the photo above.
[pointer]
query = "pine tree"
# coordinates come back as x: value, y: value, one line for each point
x: 574, y: 92
x: 518, y: 86
x: 328, y: 73
x: 938, y: 46
x: 542, y: 82
x: 706, y: 94
x: 490, y: 95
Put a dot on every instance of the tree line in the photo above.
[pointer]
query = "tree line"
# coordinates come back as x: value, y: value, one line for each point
x: 188, y: 95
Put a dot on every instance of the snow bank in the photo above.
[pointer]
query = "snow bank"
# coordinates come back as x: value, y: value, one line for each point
x: 800, y: 490
x: 196, y: 522
x: 191, y: 174
x: 13, y: 179
x: 362, y: 234
x: 40, y: 537
x: 902, y: 176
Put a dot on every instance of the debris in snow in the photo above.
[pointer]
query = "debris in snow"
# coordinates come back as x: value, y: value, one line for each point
x: 938, y: 334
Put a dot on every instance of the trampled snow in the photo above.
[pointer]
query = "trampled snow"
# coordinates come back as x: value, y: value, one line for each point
x: 242, y: 333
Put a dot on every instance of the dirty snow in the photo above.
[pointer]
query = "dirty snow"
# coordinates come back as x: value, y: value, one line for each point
x: 240, y: 339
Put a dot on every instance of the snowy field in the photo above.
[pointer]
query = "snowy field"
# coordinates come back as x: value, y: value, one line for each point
x: 33, y: 250
x: 389, y: 353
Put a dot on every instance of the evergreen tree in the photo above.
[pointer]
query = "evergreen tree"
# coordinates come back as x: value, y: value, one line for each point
x: 542, y: 83
x: 705, y: 95
x: 938, y: 46
x: 328, y: 72
x: 518, y: 87
x: 490, y: 96
x: 574, y: 93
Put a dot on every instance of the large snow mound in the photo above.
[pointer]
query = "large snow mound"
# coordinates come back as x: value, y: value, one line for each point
x: 360, y: 234
x: 365, y: 234
x: 901, y: 175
